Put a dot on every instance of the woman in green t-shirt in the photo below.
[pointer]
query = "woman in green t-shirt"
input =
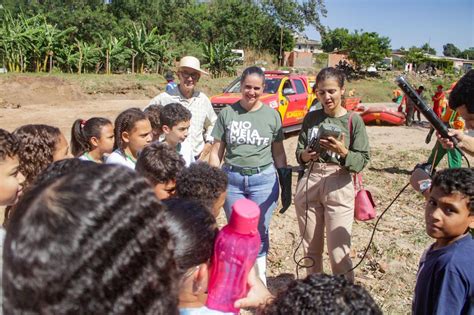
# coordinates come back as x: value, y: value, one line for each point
x: 324, y: 198
x: 248, y: 135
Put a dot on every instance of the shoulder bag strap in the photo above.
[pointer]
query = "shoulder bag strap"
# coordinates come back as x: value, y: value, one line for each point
x: 357, y: 176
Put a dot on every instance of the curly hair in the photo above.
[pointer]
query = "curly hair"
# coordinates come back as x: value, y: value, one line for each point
x: 92, y: 242
x: 201, y: 181
x: 463, y: 92
x: 9, y: 145
x: 460, y: 180
x: 159, y: 163
x: 194, y: 230
x: 125, y: 122
x: 323, y: 294
x: 174, y: 113
x: 82, y: 131
x: 37, y: 146
x: 153, y: 114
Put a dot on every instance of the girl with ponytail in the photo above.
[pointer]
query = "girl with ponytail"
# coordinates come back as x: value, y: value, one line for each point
x: 92, y: 139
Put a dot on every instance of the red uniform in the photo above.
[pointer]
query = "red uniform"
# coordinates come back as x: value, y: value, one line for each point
x: 438, y: 103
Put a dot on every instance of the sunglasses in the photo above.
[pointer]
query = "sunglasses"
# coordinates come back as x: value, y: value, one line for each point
x: 187, y: 75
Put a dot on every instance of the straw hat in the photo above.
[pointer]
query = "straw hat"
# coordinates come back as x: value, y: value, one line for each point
x: 191, y: 62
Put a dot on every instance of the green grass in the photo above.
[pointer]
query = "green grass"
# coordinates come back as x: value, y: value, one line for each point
x: 369, y: 89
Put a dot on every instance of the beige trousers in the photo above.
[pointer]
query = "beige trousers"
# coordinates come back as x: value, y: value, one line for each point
x: 328, y: 195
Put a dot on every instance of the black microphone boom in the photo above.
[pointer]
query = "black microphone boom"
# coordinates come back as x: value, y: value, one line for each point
x: 425, y: 109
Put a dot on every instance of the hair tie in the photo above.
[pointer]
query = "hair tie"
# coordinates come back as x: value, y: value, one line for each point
x: 83, y: 123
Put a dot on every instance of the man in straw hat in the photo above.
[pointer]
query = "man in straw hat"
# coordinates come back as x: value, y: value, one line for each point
x: 203, y: 116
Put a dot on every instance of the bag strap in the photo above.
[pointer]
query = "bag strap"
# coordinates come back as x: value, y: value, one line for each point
x: 356, y: 176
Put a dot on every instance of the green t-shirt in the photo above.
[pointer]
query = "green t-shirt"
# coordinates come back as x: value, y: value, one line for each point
x: 248, y: 136
x: 358, y: 155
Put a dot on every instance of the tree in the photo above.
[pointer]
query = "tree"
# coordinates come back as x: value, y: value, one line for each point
x: 367, y: 48
x: 294, y: 15
x: 428, y: 49
x: 335, y: 39
x: 415, y: 55
x: 449, y: 50
x: 467, y: 53
x: 220, y: 59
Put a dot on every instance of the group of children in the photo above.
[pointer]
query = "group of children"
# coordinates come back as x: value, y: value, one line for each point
x: 92, y: 238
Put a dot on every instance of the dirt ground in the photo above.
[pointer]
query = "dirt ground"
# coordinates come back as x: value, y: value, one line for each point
x: 389, y: 269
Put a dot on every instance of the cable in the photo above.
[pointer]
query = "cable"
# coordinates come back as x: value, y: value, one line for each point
x: 298, y: 262
x: 464, y: 156
x: 375, y: 227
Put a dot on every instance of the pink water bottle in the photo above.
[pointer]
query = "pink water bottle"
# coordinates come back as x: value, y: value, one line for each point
x: 235, y: 252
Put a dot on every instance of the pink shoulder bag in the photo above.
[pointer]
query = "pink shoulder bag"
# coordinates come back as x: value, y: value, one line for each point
x: 364, y: 208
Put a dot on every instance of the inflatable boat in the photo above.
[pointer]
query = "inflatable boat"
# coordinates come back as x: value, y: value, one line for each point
x: 381, y: 116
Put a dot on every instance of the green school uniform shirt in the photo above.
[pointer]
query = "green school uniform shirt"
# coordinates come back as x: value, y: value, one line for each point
x: 358, y: 155
x: 248, y: 136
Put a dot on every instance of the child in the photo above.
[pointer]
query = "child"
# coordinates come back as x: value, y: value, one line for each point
x: 160, y: 164
x: 132, y: 133
x: 175, y: 120
x: 10, y: 176
x: 92, y: 242
x: 323, y: 294
x: 40, y: 145
x: 205, y: 183
x: 194, y: 230
x: 171, y: 85
x: 152, y: 112
x: 92, y: 139
x: 60, y: 168
x: 445, y: 280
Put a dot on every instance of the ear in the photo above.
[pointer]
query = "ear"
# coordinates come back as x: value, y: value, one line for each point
x: 471, y: 221
x: 166, y: 129
x: 125, y: 137
x: 200, y: 278
x: 94, y: 141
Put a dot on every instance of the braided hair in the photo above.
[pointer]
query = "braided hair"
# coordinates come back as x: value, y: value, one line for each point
x: 125, y: 122
x: 91, y: 242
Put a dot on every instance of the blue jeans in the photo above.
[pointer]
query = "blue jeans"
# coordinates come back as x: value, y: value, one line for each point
x: 263, y: 189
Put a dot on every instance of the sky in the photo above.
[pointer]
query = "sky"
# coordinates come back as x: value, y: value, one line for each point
x: 406, y: 22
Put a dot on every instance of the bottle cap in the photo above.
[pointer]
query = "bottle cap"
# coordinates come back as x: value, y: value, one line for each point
x: 244, y: 217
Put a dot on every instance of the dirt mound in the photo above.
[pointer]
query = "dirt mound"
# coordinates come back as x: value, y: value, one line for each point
x: 26, y: 90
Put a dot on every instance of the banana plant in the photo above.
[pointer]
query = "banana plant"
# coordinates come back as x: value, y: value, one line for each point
x: 114, y: 52
x: 219, y: 59
x: 88, y: 56
x: 145, y: 46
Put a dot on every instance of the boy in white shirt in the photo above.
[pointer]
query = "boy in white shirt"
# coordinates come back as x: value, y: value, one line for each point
x: 175, y: 120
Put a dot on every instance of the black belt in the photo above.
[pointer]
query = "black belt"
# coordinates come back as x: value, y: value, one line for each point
x: 247, y: 171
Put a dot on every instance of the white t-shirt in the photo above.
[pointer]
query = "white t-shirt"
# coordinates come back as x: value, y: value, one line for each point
x: 186, y: 152
x: 117, y: 157
x: 203, y: 116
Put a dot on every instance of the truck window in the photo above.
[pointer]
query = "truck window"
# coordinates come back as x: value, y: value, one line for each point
x: 271, y: 85
x: 299, y: 87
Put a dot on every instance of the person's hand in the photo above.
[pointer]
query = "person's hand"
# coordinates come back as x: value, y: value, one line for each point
x: 448, y: 144
x: 308, y: 155
x: 205, y: 152
x: 335, y: 145
x: 258, y: 295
